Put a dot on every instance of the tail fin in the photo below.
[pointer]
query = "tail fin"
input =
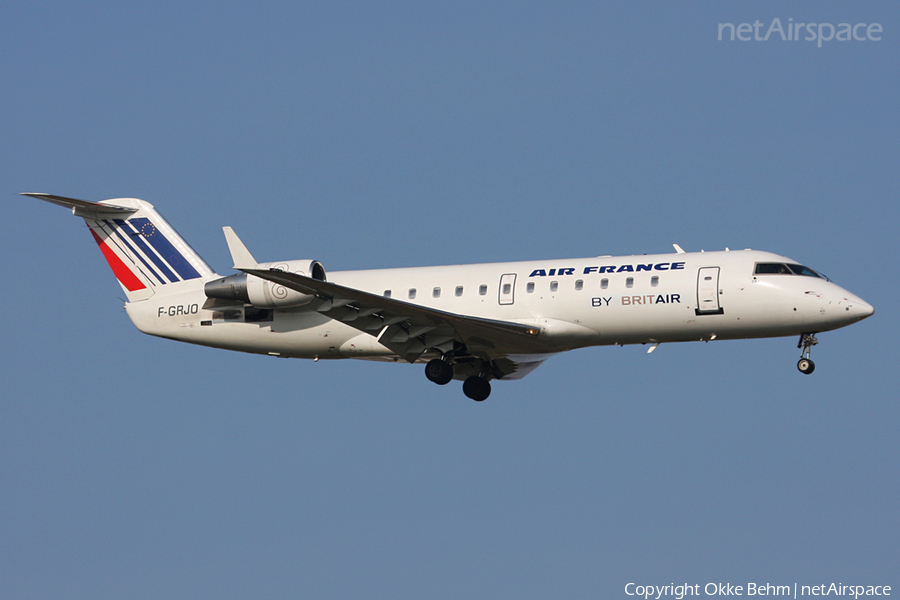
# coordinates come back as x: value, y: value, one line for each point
x: 145, y: 253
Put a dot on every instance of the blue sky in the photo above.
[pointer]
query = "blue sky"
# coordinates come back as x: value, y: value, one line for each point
x: 373, y: 135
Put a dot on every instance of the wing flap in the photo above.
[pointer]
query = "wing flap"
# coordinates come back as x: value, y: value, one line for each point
x: 517, y: 366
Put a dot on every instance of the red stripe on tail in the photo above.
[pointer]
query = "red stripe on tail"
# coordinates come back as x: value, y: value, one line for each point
x: 125, y: 276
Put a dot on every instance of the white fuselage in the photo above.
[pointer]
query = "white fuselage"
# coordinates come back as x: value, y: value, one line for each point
x: 575, y: 303
x: 473, y: 323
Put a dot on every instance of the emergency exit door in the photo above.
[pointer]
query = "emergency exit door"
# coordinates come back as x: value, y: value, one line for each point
x: 507, y: 288
x: 708, y: 292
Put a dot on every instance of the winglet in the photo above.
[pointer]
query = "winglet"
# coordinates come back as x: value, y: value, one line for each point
x: 239, y: 253
x: 678, y: 249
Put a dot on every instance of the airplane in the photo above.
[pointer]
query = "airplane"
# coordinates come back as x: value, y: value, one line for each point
x: 474, y: 323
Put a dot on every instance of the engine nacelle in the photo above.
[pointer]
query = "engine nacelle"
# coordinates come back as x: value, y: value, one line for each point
x: 263, y: 293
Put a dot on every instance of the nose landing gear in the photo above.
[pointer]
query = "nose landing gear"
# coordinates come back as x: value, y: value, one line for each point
x: 807, y: 341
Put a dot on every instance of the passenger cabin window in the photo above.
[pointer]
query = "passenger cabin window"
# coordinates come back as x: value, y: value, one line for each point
x: 436, y: 293
x: 604, y: 283
x: 482, y: 290
x: 530, y: 287
x: 629, y: 282
x: 654, y: 281
x: 387, y: 293
x: 459, y: 290
x: 554, y: 285
x: 412, y: 293
x: 579, y: 285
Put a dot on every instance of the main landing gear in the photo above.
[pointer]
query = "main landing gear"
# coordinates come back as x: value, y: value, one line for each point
x: 807, y: 341
x: 477, y: 388
x: 440, y: 371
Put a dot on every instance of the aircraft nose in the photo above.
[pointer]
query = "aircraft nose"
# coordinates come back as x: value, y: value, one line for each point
x: 859, y: 308
x: 866, y: 310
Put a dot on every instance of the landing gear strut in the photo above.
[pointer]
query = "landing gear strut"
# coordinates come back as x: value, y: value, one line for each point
x: 807, y: 341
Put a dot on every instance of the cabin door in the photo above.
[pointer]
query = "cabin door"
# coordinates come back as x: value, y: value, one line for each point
x: 507, y: 288
x: 708, y: 292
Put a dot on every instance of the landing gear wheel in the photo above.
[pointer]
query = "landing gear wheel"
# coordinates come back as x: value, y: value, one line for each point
x: 807, y: 341
x: 477, y: 388
x: 439, y: 371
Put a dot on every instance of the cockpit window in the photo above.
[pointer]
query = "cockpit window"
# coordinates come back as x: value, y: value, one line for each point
x: 785, y: 269
x: 772, y: 269
x: 801, y: 270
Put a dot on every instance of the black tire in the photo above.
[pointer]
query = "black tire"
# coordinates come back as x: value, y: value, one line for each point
x: 477, y: 388
x: 806, y: 366
x: 439, y: 371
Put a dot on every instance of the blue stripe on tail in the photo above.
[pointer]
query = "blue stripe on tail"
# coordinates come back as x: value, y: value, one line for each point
x: 135, y: 235
x: 149, y: 232
x: 128, y: 240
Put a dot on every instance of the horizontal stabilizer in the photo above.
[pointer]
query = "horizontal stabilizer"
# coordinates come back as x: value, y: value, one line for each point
x: 144, y: 252
x: 83, y: 205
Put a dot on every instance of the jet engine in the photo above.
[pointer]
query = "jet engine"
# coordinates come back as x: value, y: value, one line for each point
x: 266, y: 294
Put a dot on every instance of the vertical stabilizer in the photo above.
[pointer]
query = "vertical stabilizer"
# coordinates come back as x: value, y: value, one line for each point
x: 145, y: 253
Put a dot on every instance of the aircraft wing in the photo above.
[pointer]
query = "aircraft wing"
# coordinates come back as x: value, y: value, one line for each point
x: 411, y: 328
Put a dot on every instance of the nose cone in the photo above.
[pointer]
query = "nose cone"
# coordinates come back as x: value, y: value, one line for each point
x: 840, y: 308
x: 866, y: 310
x: 858, y: 308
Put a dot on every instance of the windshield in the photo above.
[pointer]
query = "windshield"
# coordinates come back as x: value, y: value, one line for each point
x: 786, y: 269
